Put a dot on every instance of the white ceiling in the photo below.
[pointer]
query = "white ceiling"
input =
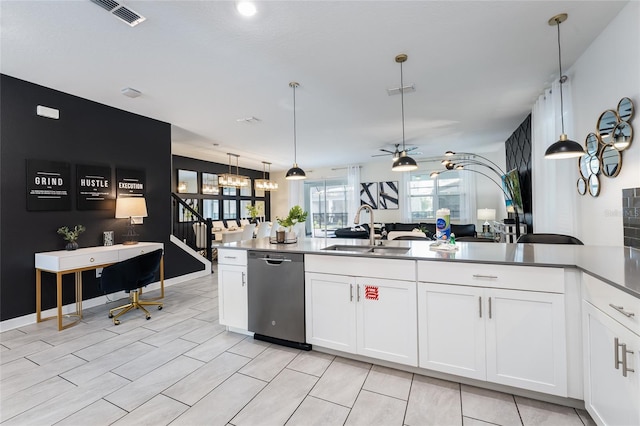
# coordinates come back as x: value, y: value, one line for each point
x: 477, y: 66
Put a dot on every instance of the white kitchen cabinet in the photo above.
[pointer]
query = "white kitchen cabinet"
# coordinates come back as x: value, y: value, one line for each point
x: 511, y: 337
x: 232, y: 288
x: 367, y: 316
x: 612, y: 369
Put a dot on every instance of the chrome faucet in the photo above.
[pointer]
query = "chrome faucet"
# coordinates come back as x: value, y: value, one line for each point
x: 356, y: 221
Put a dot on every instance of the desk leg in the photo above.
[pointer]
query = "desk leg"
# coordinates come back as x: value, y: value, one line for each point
x: 162, y: 277
x: 59, y: 298
x: 79, y: 294
x: 38, y: 295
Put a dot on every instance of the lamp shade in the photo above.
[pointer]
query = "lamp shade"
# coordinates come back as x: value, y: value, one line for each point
x: 404, y: 163
x: 564, y: 148
x: 131, y: 207
x: 295, y: 173
x: 486, y: 214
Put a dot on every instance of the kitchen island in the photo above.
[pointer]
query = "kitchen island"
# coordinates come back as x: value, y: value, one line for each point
x: 532, y: 319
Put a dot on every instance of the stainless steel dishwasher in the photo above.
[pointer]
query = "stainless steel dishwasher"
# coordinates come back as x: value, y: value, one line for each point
x: 275, y: 283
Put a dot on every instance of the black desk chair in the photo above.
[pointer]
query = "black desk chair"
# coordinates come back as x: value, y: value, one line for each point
x: 549, y: 239
x: 131, y: 275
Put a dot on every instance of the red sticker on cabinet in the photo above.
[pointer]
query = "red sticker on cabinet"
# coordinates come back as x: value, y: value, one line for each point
x: 371, y: 292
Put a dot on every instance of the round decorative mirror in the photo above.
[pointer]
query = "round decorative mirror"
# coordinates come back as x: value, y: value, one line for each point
x: 622, y: 135
x: 583, y: 165
x: 611, y: 161
x: 591, y: 143
x: 582, y: 186
x: 594, y: 185
x: 594, y: 164
x: 606, y: 124
x: 625, y: 109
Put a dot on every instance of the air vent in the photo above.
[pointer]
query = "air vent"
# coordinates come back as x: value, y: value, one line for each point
x: 106, y: 4
x: 121, y: 12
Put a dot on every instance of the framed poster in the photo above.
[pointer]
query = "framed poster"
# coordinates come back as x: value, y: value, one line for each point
x: 388, y: 195
x: 130, y: 183
x: 48, y: 185
x: 369, y: 194
x: 94, y: 186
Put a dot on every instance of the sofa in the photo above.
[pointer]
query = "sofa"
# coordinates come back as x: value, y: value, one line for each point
x: 463, y: 231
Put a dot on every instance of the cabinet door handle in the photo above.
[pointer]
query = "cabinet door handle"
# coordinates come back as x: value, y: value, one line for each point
x: 625, y: 369
x: 621, y: 310
x: 489, y: 308
x: 229, y: 257
x: 350, y: 292
x: 92, y: 260
x: 491, y: 277
x: 358, y: 293
x: 243, y: 279
x: 616, y: 358
x: 480, y: 305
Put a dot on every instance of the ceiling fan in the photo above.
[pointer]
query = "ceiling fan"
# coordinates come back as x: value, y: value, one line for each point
x: 395, y: 153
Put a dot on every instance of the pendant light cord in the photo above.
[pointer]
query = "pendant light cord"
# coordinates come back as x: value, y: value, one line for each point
x: 295, y: 149
x: 402, y: 103
x: 561, y: 77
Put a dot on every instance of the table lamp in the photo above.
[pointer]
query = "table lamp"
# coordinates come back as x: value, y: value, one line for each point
x: 131, y: 208
x: 486, y: 215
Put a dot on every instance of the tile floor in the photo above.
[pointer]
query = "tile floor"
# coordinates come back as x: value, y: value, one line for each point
x: 182, y: 368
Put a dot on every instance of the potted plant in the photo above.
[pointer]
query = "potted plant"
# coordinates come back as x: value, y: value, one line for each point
x: 296, y: 215
x: 71, y: 235
x: 254, y: 211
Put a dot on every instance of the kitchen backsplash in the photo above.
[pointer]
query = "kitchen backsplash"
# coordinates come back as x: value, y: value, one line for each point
x: 631, y: 216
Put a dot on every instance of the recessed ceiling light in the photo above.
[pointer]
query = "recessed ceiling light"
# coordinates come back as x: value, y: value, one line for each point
x: 246, y: 8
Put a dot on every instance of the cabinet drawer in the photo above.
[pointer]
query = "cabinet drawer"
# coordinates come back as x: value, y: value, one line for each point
x: 84, y: 260
x: 531, y: 278
x: 232, y: 257
x: 394, y: 269
x: 619, y: 305
x: 137, y: 250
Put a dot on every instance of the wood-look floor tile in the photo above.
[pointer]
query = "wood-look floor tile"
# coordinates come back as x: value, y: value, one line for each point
x: 22, y: 351
x: 223, y: 403
x: 540, y: 413
x: 269, y: 363
x: 277, y: 401
x: 489, y: 406
x: 204, y: 333
x: 342, y: 381
x: 585, y: 417
x: 317, y: 412
x: 469, y: 421
x: 111, y: 345
x: 70, y: 346
x: 19, y: 366
x: 196, y: 385
x: 146, y: 387
x: 31, y: 397
x: 249, y: 347
x: 215, y: 346
x: 375, y: 409
x: 388, y: 381
x: 174, y: 332
x: 158, y: 411
x: 311, y: 362
x: 433, y: 402
x: 65, y: 404
x: 100, y: 412
x: 153, y: 358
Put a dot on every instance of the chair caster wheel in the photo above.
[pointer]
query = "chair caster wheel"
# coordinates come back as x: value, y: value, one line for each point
x: 148, y: 317
x: 159, y: 308
x: 110, y: 315
x: 116, y: 322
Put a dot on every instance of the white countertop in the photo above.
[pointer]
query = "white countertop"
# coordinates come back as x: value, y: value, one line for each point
x: 618, y: 266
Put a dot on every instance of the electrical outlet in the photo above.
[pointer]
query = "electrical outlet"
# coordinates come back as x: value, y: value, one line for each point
x: 98, y: 272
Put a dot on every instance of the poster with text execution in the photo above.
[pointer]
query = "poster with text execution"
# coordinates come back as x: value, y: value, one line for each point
x: 130, y: 182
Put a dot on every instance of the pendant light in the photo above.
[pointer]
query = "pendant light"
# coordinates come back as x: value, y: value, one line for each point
x: 295, y: 173
x: 564, y: 147
x: 231, y: 180
x: 265, y: 184
x: 403, y: 163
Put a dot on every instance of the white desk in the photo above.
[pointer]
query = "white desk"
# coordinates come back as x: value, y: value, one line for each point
x: 85, y: 259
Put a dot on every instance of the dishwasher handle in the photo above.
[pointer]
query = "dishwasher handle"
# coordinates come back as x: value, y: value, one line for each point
x: 274, y: 261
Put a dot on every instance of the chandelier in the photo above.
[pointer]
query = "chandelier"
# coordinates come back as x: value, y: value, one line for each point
x: 233, y: 180
x: 265, y: 184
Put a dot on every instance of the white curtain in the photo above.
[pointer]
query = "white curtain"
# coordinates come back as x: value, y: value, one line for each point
x: 353, y: 192
x: 296, y: 193
x: 553, y: 181
x: 468, y: 211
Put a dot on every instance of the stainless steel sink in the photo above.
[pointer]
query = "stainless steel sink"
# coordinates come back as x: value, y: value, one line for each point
x: 368, y: 249
x: 359, y: 249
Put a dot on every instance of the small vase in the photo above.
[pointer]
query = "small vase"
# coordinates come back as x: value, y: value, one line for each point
x: 71, y: 245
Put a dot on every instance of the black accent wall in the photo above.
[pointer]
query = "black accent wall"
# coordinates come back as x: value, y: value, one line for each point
x: 86, y: 133
x: 518, y: 156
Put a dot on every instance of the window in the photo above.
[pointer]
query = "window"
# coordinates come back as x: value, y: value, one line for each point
x: 211, y: 209
x: 328, y: 205
x: 229, y: 209
x: 427, y: 195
